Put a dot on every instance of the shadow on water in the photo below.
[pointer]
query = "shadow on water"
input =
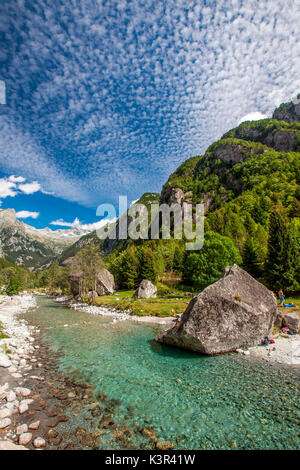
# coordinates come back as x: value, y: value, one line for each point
x: 172, y: 351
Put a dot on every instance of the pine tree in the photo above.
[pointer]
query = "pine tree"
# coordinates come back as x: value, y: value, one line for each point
x: 278, y: 249
x: 147, y: 265
x: 178, y: 259
x: 128, y: 269
x: 251, y: 258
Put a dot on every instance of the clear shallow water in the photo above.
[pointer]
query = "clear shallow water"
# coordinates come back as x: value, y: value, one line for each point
x: 198, y: 402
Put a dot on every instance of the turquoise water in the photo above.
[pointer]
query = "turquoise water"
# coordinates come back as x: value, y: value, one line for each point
x: 198, y: 402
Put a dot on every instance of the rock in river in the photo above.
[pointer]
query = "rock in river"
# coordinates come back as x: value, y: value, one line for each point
x: 235, y: 312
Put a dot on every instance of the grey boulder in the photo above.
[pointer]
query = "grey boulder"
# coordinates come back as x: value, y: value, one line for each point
x: 235, y: 312
x: 291, y: 320
x: 105, y: 282
x: 146, y: 290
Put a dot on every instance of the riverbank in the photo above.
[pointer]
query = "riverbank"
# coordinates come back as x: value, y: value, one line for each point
x: 42, y: 408
x: 285, y: 350
x: 115, y: 314
x: 91, y: 383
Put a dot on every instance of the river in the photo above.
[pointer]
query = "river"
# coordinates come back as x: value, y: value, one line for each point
x: 197, y: 402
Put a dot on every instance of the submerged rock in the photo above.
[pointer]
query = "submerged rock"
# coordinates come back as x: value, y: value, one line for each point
x: 146, y: 290
x: 235, y: 312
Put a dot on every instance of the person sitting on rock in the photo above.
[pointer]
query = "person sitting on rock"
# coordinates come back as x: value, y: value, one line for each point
x: 281, y: 298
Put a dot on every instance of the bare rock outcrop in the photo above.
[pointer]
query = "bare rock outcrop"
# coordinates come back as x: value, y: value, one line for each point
x: 288, y: 112
x: 146, y: 290
x: 235, y: 312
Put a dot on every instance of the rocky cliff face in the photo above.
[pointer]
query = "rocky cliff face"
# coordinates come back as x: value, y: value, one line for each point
x: 25, y: 245
x: 212, y: 177
x: 289, y: 112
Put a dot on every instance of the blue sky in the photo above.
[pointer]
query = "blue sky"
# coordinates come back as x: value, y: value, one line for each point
x: 109, y: 97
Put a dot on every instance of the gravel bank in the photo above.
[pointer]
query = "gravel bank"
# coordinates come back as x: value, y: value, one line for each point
x: 117, y: 315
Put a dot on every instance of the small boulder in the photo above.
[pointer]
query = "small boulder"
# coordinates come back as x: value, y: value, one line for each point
x: 291, y: 320
x: 235, y: 312
x: 146, y: 290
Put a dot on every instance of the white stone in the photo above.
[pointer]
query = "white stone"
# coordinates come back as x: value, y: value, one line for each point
x: 4, y: 360
x: 16, y: 375
x: 22, y: 429
x: 23, y: 408
x: 10, y: 396
x: 39, y: 442
x: 25, y: 392
x: 5, y: 413
x: 25, y: 438
x: 12, y: 369
x: 5, y: 422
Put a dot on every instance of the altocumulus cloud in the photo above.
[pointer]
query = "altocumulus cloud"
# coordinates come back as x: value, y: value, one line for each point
x: 108, y: 98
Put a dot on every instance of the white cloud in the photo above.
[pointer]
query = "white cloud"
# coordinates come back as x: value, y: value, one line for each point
x: 255, y: 116
x: 30, y: 188
x: 62, y: 223
x: 7, y: 188
x: 27, y: 214
x: 83, y: 227
x: 16, y: 179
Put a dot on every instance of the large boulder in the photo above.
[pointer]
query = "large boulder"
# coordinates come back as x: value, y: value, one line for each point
x: 146, y: 290
x: 291, y: 320
x: 235, y: 312
x: 105, y: 282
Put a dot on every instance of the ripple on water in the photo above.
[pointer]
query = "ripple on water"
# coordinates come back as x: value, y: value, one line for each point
x: 197, y: 401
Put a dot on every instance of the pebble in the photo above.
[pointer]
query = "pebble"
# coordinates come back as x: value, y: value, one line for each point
x: 35, y: 425
x: 11, y: 396
x: 39, y: 442
x: 4, y: 423
x: 23, y: 428
x: 4, y: 360
x: 25, y: 392
x: 5, y: 413
x: 16, y: 375
x: 23, y: 408
x: 25, y: 438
